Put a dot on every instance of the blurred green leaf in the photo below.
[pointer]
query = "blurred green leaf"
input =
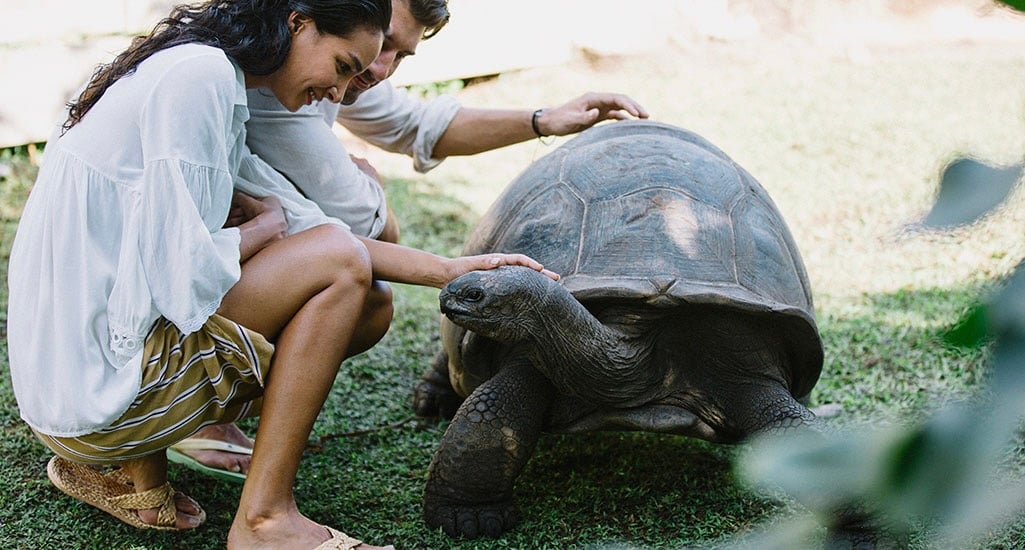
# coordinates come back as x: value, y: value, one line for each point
x: 803, y: 465
x: 968, y: 190
x: 970, y: 331
x: 941, y: 469
x: 1016, y: 4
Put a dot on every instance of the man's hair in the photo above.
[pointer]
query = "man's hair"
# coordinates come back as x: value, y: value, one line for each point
x: 432, y: 14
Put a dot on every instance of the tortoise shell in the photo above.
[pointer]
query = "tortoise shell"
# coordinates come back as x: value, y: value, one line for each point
x: 647, y: 213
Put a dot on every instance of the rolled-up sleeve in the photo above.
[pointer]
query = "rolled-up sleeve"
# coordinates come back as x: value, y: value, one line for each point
x: 392, y: 120
x: 256, y: 178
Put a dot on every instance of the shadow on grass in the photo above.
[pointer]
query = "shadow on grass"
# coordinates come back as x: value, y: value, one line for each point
x: 600, y: 490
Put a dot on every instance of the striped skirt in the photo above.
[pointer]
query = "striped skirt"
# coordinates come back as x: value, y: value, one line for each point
x: 212, y: 376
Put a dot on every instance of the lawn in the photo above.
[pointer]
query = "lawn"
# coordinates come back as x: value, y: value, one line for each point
x: 850, y: 150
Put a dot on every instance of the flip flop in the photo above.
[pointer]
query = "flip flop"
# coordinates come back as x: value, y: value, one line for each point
x: 338, y: 541
x: 115, y: 497
x: 175, y: 453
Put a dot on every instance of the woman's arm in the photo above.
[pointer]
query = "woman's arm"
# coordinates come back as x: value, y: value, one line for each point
x: 401, y: 264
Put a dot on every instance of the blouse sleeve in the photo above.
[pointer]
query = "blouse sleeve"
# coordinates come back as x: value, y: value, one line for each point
x: 188, y: 126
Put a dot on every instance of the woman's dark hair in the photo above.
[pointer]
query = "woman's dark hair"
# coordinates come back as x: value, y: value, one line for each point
x: 432, y: 14
x: 253, y: 33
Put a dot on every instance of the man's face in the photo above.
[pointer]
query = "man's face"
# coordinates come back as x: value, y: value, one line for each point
x: 400, y: 42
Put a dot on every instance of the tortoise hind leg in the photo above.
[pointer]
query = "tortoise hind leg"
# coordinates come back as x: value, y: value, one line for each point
x: 767, y: 408
x: 433, y: 395
x: 773, y: 411
x: 470, y: 482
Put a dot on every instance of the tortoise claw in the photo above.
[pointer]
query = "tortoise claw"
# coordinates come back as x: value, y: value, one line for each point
x: 470, y: 521
x: 433, y: 396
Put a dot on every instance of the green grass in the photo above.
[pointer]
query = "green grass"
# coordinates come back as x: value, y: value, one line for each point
x: 852, y: 155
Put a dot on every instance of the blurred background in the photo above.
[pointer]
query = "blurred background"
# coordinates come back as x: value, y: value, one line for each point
x: 846, y: 111
x: 49, y: 47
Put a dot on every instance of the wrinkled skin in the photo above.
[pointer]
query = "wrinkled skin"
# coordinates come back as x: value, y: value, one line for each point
x: 684, y: 308
x: 566, y: 371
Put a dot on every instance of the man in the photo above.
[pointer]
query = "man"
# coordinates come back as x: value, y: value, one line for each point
x: 303, y: 147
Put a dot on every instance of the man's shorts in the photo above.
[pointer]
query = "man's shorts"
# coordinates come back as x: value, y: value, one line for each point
x: 213, y: 376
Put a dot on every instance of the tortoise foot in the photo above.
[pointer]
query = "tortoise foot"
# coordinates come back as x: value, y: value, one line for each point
x: 858, y: 531
x: 433, y: 396
x: 460, y: 519
x: 859, y: 540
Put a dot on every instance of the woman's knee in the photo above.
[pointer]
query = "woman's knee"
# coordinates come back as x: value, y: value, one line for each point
x: 342, y: 257
x: 379, y: 305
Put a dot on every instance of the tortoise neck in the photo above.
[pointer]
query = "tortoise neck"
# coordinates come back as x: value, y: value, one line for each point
x: 588, y: 359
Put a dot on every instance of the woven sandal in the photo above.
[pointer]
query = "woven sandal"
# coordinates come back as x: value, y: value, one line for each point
x: 112, y: 495
x: 338, y: 541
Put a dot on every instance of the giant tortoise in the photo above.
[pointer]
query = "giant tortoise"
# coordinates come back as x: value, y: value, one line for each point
x: 684, y: 308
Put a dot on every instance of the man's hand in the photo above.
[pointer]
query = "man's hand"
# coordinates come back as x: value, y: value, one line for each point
x: 367, y: 168
x: 587, y: 110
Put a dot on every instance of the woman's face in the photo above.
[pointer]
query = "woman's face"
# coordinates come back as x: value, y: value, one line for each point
x: 320, y: 65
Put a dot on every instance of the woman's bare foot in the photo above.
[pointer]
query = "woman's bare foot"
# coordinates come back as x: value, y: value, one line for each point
x: 294, y: 531
x: 190, y: 514
x: 150, y: 472
x: 222, y: 460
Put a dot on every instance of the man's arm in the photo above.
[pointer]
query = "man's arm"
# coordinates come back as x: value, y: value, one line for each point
x: 474, y: 131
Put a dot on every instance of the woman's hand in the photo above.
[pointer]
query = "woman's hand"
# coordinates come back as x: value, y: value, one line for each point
x: 245, y: 208
x: 466, y: 264
x: 260, y: 221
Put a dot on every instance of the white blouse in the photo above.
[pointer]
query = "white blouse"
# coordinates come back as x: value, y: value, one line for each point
x: 124, y: 225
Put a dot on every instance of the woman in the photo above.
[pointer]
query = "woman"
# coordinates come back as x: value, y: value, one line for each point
x: 149, y: 297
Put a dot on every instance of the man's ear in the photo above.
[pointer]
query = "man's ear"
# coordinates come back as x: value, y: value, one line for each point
x: 296, y: 21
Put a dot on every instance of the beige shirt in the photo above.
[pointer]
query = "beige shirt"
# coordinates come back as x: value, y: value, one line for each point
x: 302, y: 146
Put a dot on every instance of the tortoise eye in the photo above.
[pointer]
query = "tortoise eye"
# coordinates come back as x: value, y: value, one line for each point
x: 474, y: 295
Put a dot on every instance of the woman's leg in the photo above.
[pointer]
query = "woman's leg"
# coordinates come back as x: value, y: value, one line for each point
x: 150, y: 472
x: 375, y: 319
x: 373, y: 324
x: 307, y: 292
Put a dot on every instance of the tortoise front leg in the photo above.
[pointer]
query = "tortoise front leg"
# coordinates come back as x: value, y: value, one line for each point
x: 433, y: 395
x: 492, y: 436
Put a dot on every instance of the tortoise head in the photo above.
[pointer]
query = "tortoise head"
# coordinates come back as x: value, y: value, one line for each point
x: 507, y: 304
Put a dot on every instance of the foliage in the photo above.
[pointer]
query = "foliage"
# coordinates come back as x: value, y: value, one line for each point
x: 430, y: 90
x: 944, y: 469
